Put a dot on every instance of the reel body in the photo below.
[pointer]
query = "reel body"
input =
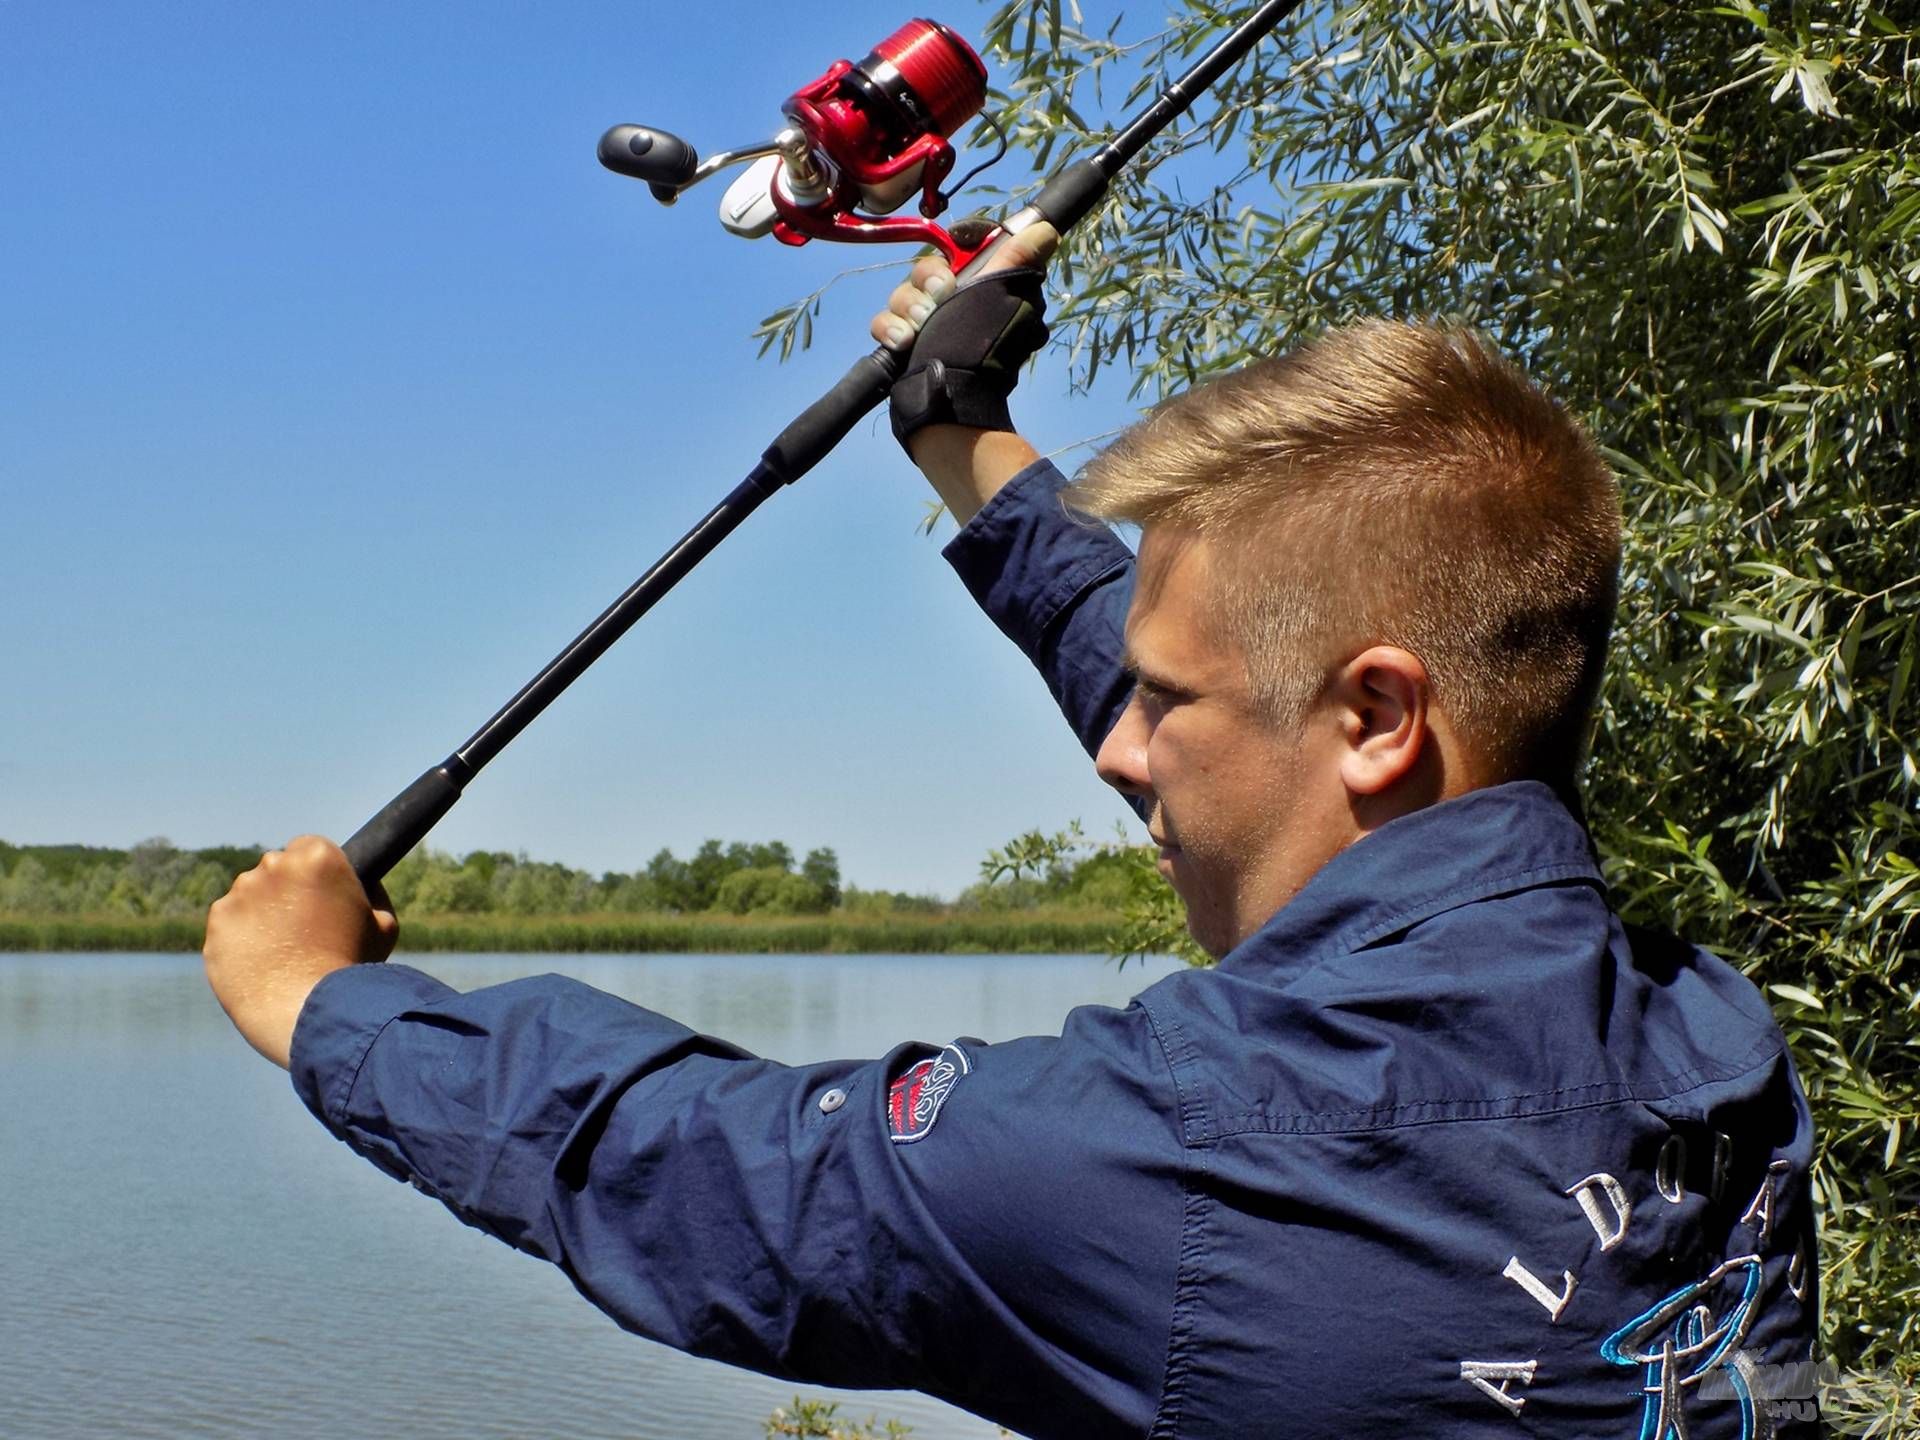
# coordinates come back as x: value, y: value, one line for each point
x: 860, y: 141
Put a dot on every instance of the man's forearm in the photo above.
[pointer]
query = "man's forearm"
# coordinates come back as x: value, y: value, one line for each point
x: 967, y: 467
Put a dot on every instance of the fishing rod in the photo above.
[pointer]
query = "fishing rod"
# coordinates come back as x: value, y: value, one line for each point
x: 870, y: 135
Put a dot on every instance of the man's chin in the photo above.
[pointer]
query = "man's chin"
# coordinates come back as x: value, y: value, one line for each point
x: 1215, y: 945
x: 1207, y: 932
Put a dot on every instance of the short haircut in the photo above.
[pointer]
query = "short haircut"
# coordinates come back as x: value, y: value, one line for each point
x: 1394, y: 484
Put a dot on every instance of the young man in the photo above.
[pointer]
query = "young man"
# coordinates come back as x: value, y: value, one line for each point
x: 1438, y: 1146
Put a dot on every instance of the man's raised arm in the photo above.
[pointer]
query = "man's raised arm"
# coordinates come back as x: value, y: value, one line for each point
x: 1058, y: 588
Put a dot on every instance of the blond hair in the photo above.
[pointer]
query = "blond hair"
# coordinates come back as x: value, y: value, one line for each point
x: 1392, y: 484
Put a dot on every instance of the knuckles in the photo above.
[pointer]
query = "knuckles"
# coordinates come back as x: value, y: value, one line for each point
x: 1031, y: 248
x: 925, y: 269
x: 306, y: 858
x: 307, y: 847
x: 314, y: 857
x: 911, y: 295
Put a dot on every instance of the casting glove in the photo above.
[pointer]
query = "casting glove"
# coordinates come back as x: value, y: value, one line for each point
x: 967, y: 358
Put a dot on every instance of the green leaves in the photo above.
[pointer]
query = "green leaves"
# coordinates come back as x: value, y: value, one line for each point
x: 1700, y: 224
x: 1117, y: 876
x: 822, y: 1420
x: 789, y: 327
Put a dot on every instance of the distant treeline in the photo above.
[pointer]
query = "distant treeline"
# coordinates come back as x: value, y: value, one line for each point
x: 153, y: 878
x: 737, y: 878
x: 726, y: 896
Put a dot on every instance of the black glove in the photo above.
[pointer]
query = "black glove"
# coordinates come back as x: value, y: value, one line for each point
x: 968, y: 355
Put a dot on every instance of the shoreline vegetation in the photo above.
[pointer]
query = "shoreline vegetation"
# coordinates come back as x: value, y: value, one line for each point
x: 1039, y: 894
x: 1041, y: 931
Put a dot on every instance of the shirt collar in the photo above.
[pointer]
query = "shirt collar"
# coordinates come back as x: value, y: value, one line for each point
x: 1484, y: 843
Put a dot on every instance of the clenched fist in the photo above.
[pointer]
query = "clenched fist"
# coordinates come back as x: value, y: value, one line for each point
x: 298, y: 915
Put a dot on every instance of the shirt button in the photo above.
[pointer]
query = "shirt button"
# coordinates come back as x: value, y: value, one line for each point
x: 832, y: 1100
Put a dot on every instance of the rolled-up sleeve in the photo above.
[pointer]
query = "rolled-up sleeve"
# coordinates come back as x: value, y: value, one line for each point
x: 1013, y: 1253
x: 1058, y: 586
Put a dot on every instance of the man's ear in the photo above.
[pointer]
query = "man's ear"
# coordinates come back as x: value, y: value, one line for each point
x: 1380, y: 700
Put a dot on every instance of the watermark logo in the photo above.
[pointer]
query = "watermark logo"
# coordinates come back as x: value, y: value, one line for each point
x: 1859, y: 1403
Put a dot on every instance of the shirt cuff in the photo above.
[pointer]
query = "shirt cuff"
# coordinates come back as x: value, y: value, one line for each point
x: 343, y: 1016
x: 1024, y: 557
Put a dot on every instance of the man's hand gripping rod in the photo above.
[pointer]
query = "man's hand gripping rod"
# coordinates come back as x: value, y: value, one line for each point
x: 1066, y: 199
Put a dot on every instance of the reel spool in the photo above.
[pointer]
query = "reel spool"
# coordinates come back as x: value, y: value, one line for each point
x: 860, y: 142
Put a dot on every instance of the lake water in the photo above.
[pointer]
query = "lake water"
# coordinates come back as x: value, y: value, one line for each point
x: 185, y: 1252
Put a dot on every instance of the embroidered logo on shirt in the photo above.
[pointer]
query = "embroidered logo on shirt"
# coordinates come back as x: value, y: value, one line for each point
x: 914, y: 1099
x: 1687, y: 1346
x: 1681, y: 1340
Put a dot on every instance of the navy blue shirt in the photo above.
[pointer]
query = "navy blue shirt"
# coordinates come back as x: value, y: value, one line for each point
x: 1443, y: 1148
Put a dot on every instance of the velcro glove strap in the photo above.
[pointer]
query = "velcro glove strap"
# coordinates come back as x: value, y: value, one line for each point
x: 967, y: 358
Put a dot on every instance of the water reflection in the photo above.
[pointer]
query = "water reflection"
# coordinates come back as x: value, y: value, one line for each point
x: 185, y: 1251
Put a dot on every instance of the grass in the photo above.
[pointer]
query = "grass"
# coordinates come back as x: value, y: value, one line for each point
x: 1027, y: 932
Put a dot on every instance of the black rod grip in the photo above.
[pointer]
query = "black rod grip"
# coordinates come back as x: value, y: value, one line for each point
x: 814, y: 432
x: 1069, y: 196
x: 383, y: 842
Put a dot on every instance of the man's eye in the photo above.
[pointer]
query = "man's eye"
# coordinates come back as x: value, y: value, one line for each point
x: 1158, y: 695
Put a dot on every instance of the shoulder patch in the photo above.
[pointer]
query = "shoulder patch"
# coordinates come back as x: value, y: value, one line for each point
x: 916, y: 1095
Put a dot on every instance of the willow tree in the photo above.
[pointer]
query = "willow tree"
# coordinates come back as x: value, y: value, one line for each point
x: 1700, y: 225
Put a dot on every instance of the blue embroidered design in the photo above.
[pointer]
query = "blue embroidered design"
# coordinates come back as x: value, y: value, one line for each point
x: 1679, y: 1341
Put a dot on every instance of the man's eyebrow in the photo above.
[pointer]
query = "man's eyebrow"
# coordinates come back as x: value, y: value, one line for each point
x: 1142, y: 674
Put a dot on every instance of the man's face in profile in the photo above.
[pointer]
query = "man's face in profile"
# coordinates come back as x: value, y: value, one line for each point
x: 1226, y: 788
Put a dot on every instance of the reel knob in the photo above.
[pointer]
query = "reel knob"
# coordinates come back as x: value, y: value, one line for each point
x: 665, y: 162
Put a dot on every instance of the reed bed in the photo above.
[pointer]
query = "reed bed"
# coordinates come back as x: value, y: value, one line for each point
x: 1025, y: 932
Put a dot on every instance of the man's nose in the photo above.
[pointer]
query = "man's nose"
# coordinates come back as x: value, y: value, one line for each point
x: 1122, y: 757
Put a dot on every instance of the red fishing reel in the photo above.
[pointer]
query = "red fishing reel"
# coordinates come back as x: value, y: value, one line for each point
x: 860, y: 142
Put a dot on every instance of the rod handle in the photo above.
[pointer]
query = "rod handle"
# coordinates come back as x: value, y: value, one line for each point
x: 1070, y: 195
x: 383, y: 842
x: 813, y: 433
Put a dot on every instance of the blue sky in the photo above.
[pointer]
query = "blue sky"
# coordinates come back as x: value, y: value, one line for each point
x: 339, y: 386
